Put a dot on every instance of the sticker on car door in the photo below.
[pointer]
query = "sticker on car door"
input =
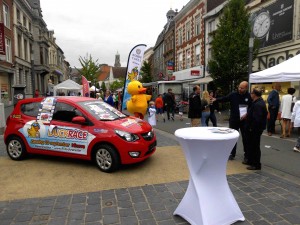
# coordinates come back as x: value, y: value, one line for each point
x: 56, y: 138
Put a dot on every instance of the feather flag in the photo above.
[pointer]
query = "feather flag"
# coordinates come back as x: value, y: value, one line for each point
x: 134, y: 64
x: 85, y: 87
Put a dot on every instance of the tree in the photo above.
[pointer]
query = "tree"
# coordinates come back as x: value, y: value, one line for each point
x: 117, y: 84
x: 230, y: 52
x: 89, y: 68
x: 146, y: 73
x: 103, y: 87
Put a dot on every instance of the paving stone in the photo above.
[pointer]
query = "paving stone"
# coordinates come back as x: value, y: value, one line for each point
x: 251, y: 215
x: 140, y: 206
x: 143, y: 215
x: 92, y: 217
x: 130, y: 220
x: 136, y: 199
x: 22, y: 217
x: 123, y: 197
x: 111, y: 219
x: 125, y: 204
x: 166, y: 222
x: 293, y: 219
x: 93, y: 208
x: 261, y: 222
x: 157, y: 207
x: 46, y: 210
x: 148, y: 222
x: 126, y: 212
x: 108, y: 194
x: 59, y: 213
x: 259, y: 208
x: 109, y: 210
x: 57, y: 221
x: 162, y: 215
x: 272, y: 217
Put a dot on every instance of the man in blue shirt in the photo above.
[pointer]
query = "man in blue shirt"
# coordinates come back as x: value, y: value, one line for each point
x: 273, y: 107
x: 238, y: 100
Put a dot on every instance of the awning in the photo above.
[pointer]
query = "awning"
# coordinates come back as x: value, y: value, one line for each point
x: 203, y: 80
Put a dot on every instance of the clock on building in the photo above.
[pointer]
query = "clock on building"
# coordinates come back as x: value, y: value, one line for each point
x: 261, y: 25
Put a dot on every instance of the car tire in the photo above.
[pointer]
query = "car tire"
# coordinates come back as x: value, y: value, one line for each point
x: 16, y: 148
x: 106, y: 158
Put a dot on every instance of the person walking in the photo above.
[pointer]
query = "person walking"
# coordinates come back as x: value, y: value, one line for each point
x: 170, y: 104
x: 273, y: 108
x: 239, y: 102
x: 212, y: 107
x: 195, y: 108
x: 286, y: 109
x: 205, y: 101
x: 159, y: 105
x: 255, y: 124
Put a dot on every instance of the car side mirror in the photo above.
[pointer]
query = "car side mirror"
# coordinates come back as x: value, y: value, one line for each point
x: 79, y: 120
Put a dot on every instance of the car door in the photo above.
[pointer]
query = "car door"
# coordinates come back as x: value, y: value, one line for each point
x: 65, y: 137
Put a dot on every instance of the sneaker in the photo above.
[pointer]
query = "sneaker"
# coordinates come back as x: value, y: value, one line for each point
x: 172, y: 118
x: 296, y: 149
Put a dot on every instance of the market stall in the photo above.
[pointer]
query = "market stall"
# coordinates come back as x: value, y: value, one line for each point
x: 67, y: 85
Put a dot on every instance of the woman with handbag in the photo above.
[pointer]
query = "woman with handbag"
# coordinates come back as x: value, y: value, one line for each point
x: 286, y: 109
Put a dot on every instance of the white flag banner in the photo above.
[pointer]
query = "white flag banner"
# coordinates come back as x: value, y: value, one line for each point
x: 134, y: 64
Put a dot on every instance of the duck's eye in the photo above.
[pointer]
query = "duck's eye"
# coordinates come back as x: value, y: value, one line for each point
x: 139, y: 86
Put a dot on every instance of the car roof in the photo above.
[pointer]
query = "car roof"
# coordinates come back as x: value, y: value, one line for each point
x: 65, y: 98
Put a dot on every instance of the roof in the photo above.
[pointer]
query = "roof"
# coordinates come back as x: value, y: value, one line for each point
x: 118, y: 72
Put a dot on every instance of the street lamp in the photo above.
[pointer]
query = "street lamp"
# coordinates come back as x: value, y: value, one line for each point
x: 32, y: 72
x: 251, y: 44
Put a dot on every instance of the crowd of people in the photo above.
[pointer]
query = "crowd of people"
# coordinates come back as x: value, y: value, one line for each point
x: 249, y: 114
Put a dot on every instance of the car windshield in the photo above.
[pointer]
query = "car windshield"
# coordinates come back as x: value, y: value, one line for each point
x: 101, y: 110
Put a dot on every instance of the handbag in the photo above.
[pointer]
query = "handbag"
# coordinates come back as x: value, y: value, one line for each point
x: 293, y: 104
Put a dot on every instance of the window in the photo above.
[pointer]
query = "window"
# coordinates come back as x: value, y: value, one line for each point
x: 180, y: 66
x: 197, y: 25
x: 24, y: 21
x: 19, y: 46
x: 25, y: 50
x: 188, y: 31
x: 30, y: 109
x: 6, y: 16
x: 8, y: 50
x: 29, y: 27
x: 188, y: 58
x: 197, y: 55
x: 180, y: 36
x: 211, y: 26
x: 65, y: 112
x: 18, y: 15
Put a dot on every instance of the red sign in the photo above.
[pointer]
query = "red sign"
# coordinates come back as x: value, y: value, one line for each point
x: 195, y: 73
x: 2, y: 39
x: 170, y: 67
x: 173, y: 78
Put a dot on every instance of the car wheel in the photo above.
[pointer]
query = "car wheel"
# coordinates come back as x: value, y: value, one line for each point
x: 106, y: 158
x: 16, y: 148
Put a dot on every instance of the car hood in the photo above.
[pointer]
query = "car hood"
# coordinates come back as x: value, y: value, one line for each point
x: 131, y: 124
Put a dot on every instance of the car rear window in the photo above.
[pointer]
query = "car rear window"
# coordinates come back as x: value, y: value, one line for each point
x: 30, y: 109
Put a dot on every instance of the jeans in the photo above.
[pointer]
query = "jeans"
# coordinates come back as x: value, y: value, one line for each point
x: 204, y: 116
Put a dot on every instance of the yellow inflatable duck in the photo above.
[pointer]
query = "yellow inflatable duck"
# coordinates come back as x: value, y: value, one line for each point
x: 138, y: 102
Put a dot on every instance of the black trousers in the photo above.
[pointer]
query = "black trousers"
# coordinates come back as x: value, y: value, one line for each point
x: 273, y: 117
x: 253, y: 143
x: 170, y: 109
x: 239, y: 125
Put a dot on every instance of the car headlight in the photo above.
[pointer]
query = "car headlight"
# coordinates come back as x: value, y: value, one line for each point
x: 127, y: 136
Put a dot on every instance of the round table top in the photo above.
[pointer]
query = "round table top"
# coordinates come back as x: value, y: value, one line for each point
x: 207, y: 133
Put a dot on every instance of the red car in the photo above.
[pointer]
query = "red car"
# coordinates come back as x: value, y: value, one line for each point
x: 78, y: 127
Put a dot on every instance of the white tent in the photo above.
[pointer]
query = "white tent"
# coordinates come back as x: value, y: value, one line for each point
x: 67, y: 85
x: 203, y: 80
x: 286, y: 71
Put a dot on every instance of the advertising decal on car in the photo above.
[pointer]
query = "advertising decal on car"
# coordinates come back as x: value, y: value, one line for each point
x: 56, y: 138
x: 46, y: 109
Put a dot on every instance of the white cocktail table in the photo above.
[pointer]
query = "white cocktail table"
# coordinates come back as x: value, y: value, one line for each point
x: 208, y: 199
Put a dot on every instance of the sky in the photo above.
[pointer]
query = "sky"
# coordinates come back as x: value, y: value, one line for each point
x: 101, y: 28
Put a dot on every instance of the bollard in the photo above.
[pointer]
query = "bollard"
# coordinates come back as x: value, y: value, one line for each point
x: 2, y: 118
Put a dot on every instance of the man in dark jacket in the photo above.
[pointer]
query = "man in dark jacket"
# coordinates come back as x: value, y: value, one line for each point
x: 239, y: 100
x: 273, y: 107
x: 256, y: 122
x: 195, y: 109
x: 169, y: 100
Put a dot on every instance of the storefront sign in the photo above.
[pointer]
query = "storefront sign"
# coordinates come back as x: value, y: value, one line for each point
x: 195, y: 73
x: 173, y: 78
x: 267, y: 61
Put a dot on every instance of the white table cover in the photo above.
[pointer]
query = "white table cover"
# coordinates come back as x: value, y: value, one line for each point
x: 208, y: 199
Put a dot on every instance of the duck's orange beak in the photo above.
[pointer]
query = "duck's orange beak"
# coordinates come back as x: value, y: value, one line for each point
x: 142, y: 90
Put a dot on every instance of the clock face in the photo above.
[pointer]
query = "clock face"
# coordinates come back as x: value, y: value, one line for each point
x: 261, y: 25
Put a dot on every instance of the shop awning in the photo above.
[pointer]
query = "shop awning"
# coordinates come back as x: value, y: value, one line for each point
x: 203, y: 80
